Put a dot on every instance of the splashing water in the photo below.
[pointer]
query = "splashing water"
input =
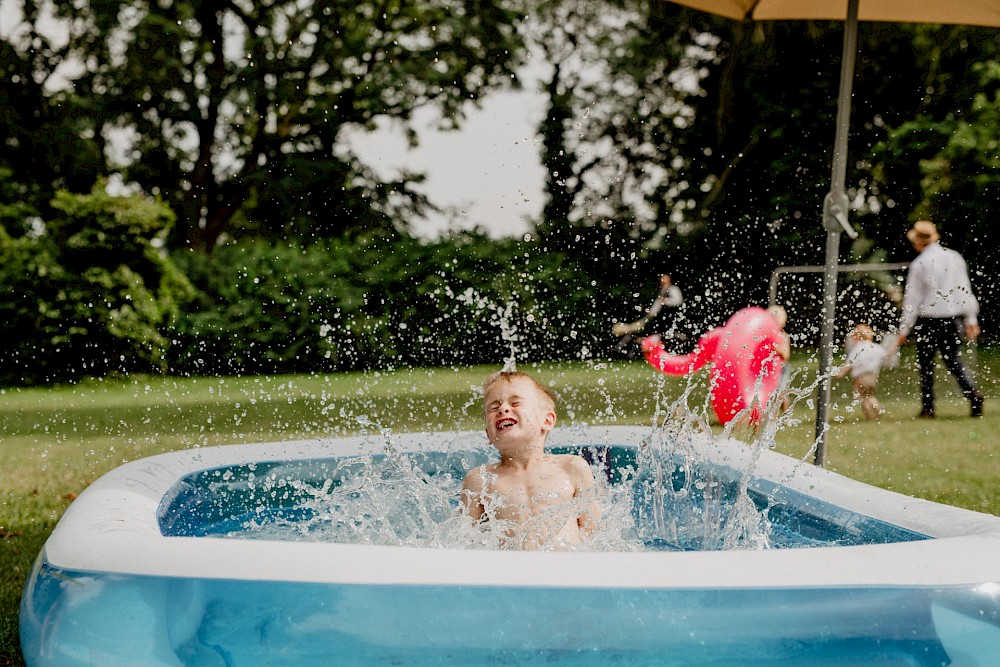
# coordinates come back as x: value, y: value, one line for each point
x: 661, y: 498
x: 500, y: 316
x: 654, y: 496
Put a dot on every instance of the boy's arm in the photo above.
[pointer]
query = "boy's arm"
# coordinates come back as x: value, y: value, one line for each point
x: 470, y: 499
x: 584, y: 483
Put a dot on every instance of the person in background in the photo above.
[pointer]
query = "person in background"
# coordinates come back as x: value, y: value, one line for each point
x: 864, y: 361
x: 940, y: 311
x: 668, y: 300
x: 783, y: 349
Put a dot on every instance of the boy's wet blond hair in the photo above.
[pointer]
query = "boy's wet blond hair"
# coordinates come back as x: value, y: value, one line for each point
x: 510, y: 376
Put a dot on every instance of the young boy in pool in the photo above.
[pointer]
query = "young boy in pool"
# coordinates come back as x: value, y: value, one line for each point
x: 545, y: 500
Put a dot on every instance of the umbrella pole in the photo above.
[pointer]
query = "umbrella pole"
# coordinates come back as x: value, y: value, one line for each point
x: 835, y: 208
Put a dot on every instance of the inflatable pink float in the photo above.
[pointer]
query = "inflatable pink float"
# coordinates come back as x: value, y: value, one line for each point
x: 746, y: 369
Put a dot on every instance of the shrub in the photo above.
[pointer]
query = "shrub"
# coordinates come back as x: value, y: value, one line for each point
x: 382, y: 301
x: 89, y: 292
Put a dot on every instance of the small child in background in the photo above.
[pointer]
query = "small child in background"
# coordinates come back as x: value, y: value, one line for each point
x: 783, y: 348
x: 864, y: 361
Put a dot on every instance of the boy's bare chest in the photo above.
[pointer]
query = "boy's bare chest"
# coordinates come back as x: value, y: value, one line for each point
x: 536, y: 492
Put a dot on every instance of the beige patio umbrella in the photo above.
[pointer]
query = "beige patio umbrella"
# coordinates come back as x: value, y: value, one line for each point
x: 835, y: 205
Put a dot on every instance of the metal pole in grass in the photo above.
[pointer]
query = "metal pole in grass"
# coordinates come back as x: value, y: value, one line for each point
x: 835, y: 207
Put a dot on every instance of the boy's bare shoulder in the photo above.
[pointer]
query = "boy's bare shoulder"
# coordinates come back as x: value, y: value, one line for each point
x: 478, y: 472
x: 567, y: 458
x: 572, y: 463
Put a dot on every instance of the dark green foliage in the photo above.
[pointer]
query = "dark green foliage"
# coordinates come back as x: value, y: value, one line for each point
x: 386, y: 302
x: 44, y: 134
x: 261, y: 308
x: 17, y: 212
x: 942, y: 163
x: 734, y: 164
x: 716, y: 176
x: 88, y: 291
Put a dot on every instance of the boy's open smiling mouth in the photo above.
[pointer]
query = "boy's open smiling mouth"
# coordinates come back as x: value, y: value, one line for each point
x: 505, y: 423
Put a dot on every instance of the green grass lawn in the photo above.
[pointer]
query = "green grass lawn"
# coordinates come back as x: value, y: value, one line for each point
x: 55, y: 441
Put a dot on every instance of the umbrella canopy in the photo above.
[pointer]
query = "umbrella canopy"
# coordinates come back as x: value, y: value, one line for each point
x: 964, y: 12
x: 835, y: 206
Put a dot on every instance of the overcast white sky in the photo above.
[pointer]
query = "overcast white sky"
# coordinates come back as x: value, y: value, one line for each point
x: 489, y: 171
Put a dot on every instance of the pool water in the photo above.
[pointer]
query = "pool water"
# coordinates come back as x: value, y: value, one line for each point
x: 307, y: 499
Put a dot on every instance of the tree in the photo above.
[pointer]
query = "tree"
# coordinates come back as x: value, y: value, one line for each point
x: 942, y: 163
x: 595, y: 212
x: 89, y: 290
x: 720, y: 138
x: 45, y: 137
x: 237, y: 113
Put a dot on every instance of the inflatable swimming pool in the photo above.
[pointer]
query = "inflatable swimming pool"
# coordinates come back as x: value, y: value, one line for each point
x: 152, y: 566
